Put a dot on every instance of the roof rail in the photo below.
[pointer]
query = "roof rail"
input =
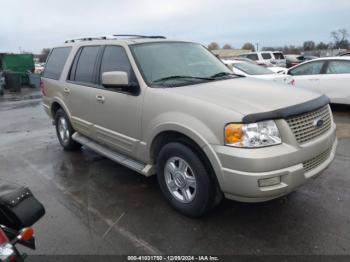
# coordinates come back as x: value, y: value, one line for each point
x: 142, y: 36
x: 86, y: 39
x: 113, y: 37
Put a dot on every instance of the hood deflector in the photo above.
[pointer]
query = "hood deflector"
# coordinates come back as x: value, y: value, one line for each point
x: 288, y: 111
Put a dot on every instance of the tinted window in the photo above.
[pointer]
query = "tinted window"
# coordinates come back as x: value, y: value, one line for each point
x: 266, y: 55
x: 253, y: 57
x: 338, y: 67
x: 86, y: 64
x: 312, y: 68
x: 278, y: 55
x: 115, y: 59
x: 56, y: 62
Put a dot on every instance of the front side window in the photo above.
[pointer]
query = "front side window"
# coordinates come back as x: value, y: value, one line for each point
x: 115, y: 59
x: 56, y: 62
x: 313, y: 68
x: 338, y: 67
x: 266, y: 55
x: 177, y: 63
x: 86, y: 64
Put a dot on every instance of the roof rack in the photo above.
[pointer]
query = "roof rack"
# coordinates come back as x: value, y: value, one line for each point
x: 142, y: 36
x: 113, y: 37
x: 86, y: 39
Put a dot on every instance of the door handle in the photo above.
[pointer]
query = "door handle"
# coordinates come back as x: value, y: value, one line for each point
x: 100, y: 98
x: 66, y: 90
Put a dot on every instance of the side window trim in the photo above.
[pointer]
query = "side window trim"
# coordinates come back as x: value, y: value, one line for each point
x: 323, y: 70
x: 99, y: 75
x: 75, y: 64
x: 71, y: 75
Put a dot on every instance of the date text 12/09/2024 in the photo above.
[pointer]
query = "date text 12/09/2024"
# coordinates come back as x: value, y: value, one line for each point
x: 173, y: 258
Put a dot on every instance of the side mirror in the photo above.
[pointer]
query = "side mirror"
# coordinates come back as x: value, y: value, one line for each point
x: 115, y: 79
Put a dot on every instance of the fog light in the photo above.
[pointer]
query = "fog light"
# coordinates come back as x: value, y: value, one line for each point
x: 271, y: 181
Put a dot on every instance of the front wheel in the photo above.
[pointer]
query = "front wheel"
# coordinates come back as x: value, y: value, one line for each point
x: 64, y: 131
x: 184, y: 180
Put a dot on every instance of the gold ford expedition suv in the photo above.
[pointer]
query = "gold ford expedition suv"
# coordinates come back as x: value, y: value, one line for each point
x: 173, y: 109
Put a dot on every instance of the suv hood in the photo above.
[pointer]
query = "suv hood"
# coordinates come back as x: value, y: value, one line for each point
x: 246, y: 95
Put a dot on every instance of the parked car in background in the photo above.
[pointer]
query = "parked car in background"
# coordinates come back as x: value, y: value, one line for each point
x: 328, y: 75
x: 267, y: 58
x: 256, y: 71
x: 39, y: 68
x: 293, y: 60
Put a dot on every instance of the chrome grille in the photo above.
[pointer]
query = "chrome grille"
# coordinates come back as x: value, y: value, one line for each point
x: 317, y: 160
x: 303, y: 126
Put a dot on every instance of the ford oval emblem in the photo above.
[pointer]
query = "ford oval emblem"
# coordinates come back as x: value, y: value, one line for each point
x: 318, y: 123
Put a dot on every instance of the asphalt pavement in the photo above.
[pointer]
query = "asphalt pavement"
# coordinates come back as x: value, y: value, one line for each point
x: 96, y: 206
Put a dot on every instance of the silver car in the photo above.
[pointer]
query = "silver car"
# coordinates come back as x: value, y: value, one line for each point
x: 173, y: 109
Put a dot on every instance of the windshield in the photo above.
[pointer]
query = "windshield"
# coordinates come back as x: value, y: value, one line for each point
x: 252, y: 69
x: 178, y: 63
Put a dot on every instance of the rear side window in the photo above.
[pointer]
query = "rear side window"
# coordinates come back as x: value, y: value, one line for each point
x: 278, y: 55
x: 115, y: 59
x: 56, y: 62
x: 84, y: 70
x: 313, y: 68
x: 266, y: 55
x: 253, y: 57
x: 338, y: 67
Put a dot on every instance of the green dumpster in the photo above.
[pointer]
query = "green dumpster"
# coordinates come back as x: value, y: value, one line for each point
x: 13, y: 81
x: 19, y: 63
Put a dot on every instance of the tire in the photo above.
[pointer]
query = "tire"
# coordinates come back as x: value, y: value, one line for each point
x: 64, y: 131
x: 184, y: 180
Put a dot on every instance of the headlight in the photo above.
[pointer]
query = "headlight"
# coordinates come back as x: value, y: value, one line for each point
x: 260, y: 134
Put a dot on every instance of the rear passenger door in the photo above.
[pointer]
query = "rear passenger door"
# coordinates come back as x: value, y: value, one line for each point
x: 117, y: 113
x: 335, y: 82
x: 79, y: 90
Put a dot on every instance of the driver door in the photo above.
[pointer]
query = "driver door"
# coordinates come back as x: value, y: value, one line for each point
x: 117, y: 113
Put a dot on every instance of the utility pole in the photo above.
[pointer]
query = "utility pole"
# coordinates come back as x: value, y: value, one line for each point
x: 257, y: 47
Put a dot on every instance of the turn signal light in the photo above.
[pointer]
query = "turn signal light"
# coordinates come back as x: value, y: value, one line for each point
x: 26, y: 234
x: 233, y: 133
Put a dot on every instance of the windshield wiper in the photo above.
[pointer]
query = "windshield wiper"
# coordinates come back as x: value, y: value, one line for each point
x: 182, y: 77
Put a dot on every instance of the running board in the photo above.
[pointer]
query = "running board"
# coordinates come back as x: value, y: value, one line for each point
x: 144, y: 169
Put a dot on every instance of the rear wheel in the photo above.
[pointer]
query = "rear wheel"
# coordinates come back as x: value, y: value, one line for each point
x: 184, y: 180
x: 64, y: 131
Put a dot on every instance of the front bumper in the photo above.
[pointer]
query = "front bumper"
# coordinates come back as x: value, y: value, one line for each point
x: 241, y: 169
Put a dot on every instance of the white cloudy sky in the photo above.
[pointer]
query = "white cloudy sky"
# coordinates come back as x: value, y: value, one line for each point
x: 34, y: 24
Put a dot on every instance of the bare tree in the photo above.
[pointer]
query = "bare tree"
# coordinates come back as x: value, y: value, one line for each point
x: 44, y: 54
x: 213, y: 46
x: 227, y: 46
x: 309, y: 45
x: 340, y: 38
x: 322, y: 46
x: 248, y: 46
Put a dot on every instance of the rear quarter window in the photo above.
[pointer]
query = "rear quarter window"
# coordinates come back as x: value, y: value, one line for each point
x: 56, y: 61
x: 278, y: 55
